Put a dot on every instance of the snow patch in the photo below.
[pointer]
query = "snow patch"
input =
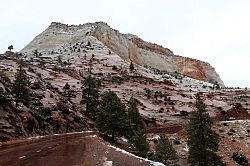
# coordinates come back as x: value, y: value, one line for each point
x: 21, y: 157
x: 92, y: 136
x: 80, y: 132
x: 124, y: 139
x: 140, y: 158
x: 155, y: 137
x: 108, y: 163
x: 186, y: 148
x: 237, y: 121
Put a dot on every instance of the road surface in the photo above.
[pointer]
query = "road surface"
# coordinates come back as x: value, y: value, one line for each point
x: 55, y: 150
x: 81, y: 149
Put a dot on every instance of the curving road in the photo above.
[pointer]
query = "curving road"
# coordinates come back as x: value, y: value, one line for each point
x: 54, y: 150
x: 78, y: 149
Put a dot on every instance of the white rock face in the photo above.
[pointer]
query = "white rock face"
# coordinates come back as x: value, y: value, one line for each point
x: 57, y: 36
x: 61, y: 38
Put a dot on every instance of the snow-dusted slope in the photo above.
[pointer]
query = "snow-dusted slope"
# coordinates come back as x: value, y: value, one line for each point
x: 60, y: 37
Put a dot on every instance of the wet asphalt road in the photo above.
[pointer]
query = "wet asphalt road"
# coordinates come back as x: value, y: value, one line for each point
x: 49, y: 151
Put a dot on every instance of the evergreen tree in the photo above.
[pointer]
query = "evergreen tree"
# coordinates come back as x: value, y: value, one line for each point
x: 148, y: 93
x: 90, y: 95
x: 21, y: 86
x: 59, y: 60
x: 10, y: 47
x: 89, y: 44
x: 3, y: 97
x: 131, y: 66
x: 36, y: 53
x: 139, y: 144
x: 203, y: 142
x: 165, y: 150
x: 136, y: 135
x: 135, y: 121
x: 240, y: 159
x: 112, y: 118
x: 66, y: 87
x: 56, y: 68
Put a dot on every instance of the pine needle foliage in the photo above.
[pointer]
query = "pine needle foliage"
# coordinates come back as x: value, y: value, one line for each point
x: 203, y: 142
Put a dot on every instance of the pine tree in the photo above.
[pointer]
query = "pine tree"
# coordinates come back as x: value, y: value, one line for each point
x: 59, y: 60
x: 10, y: 47
x: 136, y: 135
x: 21, y: 86
x: 3, y: 97
x: 90, y: 95
x: 131, y: 66
x: 135, y: 121
x: 139, y: 144
x: 55, y: 68
x: 165, y: 150
x: 203, y: 142
x: 36, y: 53
x: 66, y: 86
x: 112, y: 118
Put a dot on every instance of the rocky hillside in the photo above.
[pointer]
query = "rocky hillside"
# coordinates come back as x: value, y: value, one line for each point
x: 66, y: 54
x: 57, y: 36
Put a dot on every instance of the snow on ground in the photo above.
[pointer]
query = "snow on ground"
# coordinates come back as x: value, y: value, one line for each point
x: 108, y: 163
x: 44, y: 136
x: 182, y: 99
x: 153, y: 137
x: 186, y: 148
x: 130, y: 154
x: 124, y: 139
x: 216, y: 103
x: 242, y: 122
x: 187, y: 83
x: 184, y: 108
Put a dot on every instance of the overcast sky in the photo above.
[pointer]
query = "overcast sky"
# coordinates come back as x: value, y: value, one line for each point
x: 215, y: 31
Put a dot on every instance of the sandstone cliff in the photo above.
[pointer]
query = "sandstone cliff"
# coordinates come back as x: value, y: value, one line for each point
x: 127, y: 46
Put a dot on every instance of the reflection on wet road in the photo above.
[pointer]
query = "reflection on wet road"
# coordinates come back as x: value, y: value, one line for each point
x: 53, y: 150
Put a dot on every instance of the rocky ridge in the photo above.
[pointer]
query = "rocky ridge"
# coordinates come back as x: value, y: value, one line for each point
x: 129, y: 47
